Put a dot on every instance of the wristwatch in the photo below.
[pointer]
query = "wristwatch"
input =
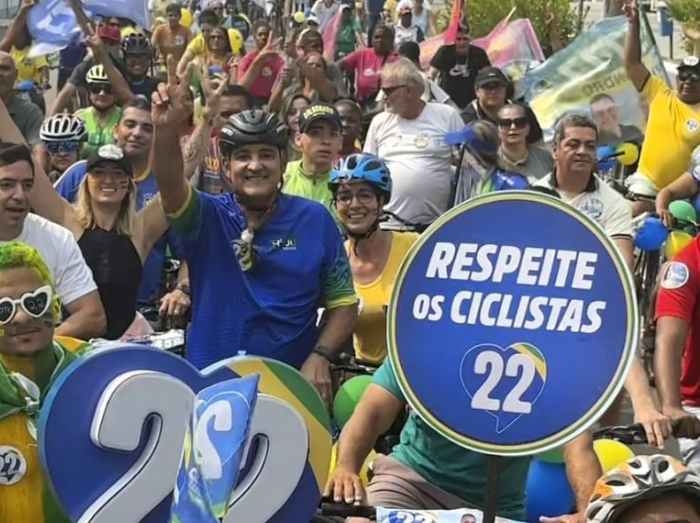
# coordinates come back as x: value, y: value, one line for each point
x: 324, y: 352
x: 183, y: 287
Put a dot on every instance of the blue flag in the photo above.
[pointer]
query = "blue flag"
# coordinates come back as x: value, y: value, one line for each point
x: 135, y: 10
x: 213, y: 450
x: 53, y: 26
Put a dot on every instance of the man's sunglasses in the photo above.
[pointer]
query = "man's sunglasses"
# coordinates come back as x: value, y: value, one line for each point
x: 518, y: 123
x: 687, y: 76
x: 389, y: 90
x: 100, y: 88
x: 58, y: 147
x: 35, y: 304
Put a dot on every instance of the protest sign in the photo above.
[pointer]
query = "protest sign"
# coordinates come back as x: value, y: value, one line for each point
x: 113, y: 427
x: 590, y: 66
x: 496, y: 313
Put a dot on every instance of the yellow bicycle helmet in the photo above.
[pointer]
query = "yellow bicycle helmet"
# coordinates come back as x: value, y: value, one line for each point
x: 97, y: 75
x: 640, y: 478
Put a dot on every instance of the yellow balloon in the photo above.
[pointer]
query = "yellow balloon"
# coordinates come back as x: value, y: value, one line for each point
x: 236, y: 39
x: 611, y: 453
x: 186, y: 18
x: 676, y: 242
x: 630, y: 153
x: 365, y: 466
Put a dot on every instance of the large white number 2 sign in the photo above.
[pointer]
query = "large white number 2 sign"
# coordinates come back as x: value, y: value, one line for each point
x: 491, y: 363
x: 135, y: 397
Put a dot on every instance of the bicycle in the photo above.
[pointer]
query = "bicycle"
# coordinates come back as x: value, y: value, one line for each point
x: 331, y: 512
x: 645, y: 272
x: 402, y: 224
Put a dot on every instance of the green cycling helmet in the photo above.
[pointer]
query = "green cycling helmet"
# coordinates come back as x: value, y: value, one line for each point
x: 683, y: 210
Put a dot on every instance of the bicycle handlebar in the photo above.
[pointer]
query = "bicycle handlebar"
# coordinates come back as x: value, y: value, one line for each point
x: 628, y: 434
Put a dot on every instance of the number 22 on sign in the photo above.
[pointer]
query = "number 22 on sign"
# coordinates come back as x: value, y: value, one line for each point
x: 505, y: 382
x: 131, y: 442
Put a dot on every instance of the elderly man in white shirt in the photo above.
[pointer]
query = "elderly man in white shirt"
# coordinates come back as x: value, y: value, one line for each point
x: 409, y: 137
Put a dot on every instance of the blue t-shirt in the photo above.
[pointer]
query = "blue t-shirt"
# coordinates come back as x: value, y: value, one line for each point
x: 147, y: 189
x: 271, y: 309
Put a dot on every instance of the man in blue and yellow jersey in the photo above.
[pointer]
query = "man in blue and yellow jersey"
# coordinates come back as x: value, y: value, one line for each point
x: 261, y: 262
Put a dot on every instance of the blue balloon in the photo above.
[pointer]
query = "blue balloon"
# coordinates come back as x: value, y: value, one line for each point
x: 548, y: 492
x: 26, y: 85
x: 603, y: 151
x: 696, y: 203
x: 651, y: 235
x: 307, y: 12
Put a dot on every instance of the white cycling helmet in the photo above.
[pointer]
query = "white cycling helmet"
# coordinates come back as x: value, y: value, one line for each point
x: 640, y: 478
x: 97, y: 75
x: 63, y: 128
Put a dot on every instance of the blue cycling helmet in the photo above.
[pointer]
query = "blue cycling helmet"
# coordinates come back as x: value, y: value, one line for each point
x: 365, y: 168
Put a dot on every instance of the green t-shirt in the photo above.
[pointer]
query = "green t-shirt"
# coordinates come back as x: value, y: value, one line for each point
x: 299, y: 183
x: 450, y: 467
x: 346, y: 41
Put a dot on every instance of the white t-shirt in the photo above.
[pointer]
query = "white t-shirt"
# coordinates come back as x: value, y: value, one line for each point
x: 56, y: 245
x: 324, y: 13
x: 418, y: 158
x: 601, y: 203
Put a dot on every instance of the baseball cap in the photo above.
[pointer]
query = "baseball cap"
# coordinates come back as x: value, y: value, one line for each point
x: 317, y: 112
x: 107, y: 32
x: 312, y: 19
x: 690, y: 62
x: 489, y: 75
x: 109, y: 153
x: 406, y: 8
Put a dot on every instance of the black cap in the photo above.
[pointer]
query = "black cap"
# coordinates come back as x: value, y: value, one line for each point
x: 317, y: 112
x: 109, y: 153
x: 690, y: 62
x: 490, y: 75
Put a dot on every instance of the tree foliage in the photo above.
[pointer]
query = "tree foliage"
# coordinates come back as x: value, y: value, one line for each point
x: 484, y: 15
x: 687, y: 12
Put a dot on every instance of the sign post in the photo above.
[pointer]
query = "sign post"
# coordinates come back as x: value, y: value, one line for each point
x: 521, y: 311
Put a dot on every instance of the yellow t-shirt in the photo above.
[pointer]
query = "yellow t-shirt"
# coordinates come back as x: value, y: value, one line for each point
x: 199, y: 47
x: 672, y: 133
x: 370, y: 332
x: 28, y: 68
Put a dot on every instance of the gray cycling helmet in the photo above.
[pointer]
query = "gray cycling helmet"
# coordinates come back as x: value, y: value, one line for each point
x: 252, y: 127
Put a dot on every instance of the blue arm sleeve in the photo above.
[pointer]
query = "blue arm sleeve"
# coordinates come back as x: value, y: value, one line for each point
x: 67, y: 185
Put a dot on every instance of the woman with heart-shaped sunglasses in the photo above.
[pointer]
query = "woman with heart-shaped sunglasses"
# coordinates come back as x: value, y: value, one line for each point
x: 30, y: 361
x: 113, y: 238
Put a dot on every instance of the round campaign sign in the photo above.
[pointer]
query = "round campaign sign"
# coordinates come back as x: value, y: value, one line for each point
x: 512, y: 324
x: 109, y: 457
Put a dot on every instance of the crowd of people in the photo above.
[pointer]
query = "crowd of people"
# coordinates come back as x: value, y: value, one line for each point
x: 286, y: 179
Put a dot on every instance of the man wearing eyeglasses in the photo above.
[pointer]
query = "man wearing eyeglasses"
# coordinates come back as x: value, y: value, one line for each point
x: 673, y: 128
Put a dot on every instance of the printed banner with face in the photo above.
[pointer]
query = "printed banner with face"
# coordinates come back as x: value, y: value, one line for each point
x: 509, y: 42
x: 385, y: 515
x: 588, y: 76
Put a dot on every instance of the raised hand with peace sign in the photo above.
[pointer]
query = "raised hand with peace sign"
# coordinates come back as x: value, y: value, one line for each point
x: 171, y: 108
x: 172, y: 103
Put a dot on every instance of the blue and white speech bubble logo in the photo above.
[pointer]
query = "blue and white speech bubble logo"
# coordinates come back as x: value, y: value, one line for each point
x: 512, y: 323
x: 504, y: 381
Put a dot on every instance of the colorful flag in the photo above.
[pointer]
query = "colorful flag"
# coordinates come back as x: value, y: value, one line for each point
x: 213, y: 450
x: 589, y: 66
x: 508, y: 43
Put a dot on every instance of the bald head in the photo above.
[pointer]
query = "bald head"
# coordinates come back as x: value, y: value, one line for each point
x: 8, y: 74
